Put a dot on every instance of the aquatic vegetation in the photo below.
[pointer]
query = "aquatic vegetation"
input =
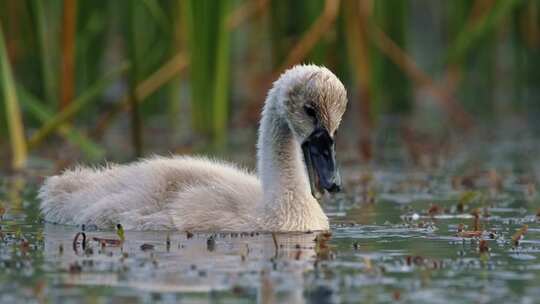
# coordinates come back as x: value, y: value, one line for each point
x: 77, y: 243
x: 13, y: 113
x: 396, y: 255
x: 120, y: 232
x: 519, y: 235
x: 461, y: 232
x: 147, y: 247
x: 467, y: 198
x: 433, y: 209
x: 209, y: 42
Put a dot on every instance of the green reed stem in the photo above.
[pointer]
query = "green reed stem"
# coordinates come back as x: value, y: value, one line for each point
x: 13, y: 113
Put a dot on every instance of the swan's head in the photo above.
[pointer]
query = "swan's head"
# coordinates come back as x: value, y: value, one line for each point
x: 313, y: 101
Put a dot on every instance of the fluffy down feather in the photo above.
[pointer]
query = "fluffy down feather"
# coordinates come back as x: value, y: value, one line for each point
x: 159, y: 193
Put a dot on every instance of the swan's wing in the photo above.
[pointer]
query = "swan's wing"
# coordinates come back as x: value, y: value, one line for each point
x: 145, y: 194
x: 224, y: 205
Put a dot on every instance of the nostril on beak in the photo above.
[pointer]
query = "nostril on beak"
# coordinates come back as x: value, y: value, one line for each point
x: 335, y: 188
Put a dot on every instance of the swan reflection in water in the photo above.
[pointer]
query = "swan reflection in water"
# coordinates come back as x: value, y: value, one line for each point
x: 198, y: 265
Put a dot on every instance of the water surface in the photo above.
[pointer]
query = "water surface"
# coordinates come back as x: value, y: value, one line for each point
x: 385, y: 245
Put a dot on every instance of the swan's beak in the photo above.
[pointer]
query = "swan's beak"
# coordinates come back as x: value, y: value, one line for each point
x: 320, y: 158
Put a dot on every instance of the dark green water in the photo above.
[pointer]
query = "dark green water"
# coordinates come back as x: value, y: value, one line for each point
x: 384, y: 246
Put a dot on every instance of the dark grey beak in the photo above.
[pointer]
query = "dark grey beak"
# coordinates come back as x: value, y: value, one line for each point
x: 320, y: 158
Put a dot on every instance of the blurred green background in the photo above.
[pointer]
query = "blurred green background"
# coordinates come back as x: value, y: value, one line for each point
x: 86, y: 80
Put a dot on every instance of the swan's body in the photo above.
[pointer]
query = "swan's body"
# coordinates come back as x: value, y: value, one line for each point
x: 188, y: 193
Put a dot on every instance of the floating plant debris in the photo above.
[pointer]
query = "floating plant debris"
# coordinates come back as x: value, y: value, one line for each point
x: 120, y: 232
x: 107, y: 242
x: 396, y: 295
x: 483, y: 247
x: 519, y: 235
x: 76, y: 242
x: 476, y: 221
x: 465, y: 199
x: 420, y: 261
x: 147, y: 247
x: 75, y: 268
x: 409, y: 246
x: 461, y: 232
x: 211, y: 243
x: 89, y: 251
x: 434, y: 210
x: 24, y: 246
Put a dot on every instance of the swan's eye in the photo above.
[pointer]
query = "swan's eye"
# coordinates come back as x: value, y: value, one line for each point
x: 310, y: 111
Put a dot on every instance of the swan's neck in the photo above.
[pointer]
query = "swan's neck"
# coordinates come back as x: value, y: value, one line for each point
x: 287, y: 202
x: 280, y: 163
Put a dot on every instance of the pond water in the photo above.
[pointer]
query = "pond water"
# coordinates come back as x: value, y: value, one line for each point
x: 394, y: 238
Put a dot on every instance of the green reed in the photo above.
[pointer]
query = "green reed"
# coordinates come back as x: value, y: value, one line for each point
x: 13, y: 113
x: 208, y: 42
x: 392, y: 88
